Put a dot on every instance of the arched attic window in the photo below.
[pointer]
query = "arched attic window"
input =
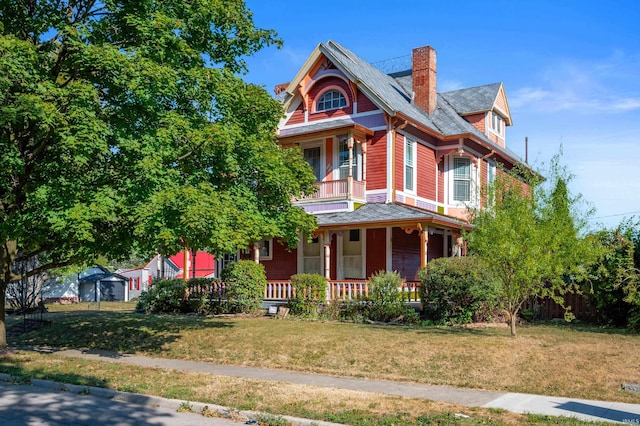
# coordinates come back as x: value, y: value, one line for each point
x: 331, y: 99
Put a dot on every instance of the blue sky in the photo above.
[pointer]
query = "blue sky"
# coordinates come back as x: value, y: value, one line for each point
x: 571, y: 71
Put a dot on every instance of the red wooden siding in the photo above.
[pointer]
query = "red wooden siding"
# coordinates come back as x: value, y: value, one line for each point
x: 376, y: 250
x: 477, y: 120
x: 399, y: 162
x: 365, y: 104
x: 298, y: 115
x: 284, y: 263
x: 484, y: 182
x: 405, y: 255
x: 319, y: 88
x: 426, y: 169
x: 377, y: 161
x: 333, y: 272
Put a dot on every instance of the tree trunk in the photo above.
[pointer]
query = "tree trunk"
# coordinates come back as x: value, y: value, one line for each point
x: 514, y: 318
x: 7, y: 258
x: 3, y: 324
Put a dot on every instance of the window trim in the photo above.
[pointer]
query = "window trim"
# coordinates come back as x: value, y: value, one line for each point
x: 325, y: 92
x: 473, y: 182
x: 414, y: 175
x: 357, y: 158
x: 497, y: 123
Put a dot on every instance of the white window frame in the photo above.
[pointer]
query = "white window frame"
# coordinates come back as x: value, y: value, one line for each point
x: 497, y: 123
x: 473, y: 181
x: 357, y: 158
x: 412, y: 165
x: 341, y: 99
x: 492, y: 170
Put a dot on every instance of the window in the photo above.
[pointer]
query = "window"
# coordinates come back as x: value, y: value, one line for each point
x: 461, y: 179
x: 497, y: 123
x: 311, y: 257
x: 343, y: 159
x: 223, y: 261
x: 491, y: 172
x: 409, y: 165
x: 312, y: 155
x: 264, y: 247
x: 352, y: 256
x: 331, y: 99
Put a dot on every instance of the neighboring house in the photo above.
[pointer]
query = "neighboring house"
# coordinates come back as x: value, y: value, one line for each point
x: 139, y: 279
x: 98, y: 284
x: 201, y: 264
x: 397, y: 163
x: 92, y: 285
x: 61, y: 290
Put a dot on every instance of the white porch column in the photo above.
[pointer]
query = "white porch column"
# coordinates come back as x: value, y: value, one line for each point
x: 256, y: 253
x: 327, y: 260
x: 389, y: 243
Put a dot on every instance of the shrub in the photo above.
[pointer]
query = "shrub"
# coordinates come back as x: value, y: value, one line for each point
x: 458, y: 290
x: 245, y: 281
x: 386, y: 298
x: 166, y: 296
x: 204, y: 295
x: 310, y: 291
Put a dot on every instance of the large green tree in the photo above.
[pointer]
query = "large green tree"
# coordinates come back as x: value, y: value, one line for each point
x: 531, y: 237
x: 125, y: 125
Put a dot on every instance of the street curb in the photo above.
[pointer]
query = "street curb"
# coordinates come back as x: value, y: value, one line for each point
x: 150, y: 400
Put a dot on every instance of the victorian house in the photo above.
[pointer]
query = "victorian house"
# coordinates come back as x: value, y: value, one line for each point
x: 397, y: 163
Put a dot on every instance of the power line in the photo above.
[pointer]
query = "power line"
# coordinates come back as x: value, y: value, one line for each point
x: 615, y: 215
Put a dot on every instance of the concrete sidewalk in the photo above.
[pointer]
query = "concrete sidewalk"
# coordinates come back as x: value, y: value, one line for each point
x: 519, y: 403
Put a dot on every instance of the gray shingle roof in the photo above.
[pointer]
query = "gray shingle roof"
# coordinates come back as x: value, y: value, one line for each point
x: 397, y: 95
x: 317, y: 127
x: 393, y: 93
x: 473, y: 99
x: 378, y: 212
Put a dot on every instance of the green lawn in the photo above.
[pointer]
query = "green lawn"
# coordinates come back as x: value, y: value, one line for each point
x: 569, y: 361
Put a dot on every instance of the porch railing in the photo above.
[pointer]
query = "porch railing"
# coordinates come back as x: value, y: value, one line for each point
x: 340, y: 290
x: 343, y: 189
x: 282, y: 290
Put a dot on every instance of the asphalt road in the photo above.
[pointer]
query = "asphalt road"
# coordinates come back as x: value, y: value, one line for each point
x: 45, y: 405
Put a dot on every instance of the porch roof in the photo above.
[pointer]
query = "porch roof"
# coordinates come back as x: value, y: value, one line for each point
x: 388, y: 215
x: 345, y: 123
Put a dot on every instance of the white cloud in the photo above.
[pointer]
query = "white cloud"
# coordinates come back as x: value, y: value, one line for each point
x: 586, y: 87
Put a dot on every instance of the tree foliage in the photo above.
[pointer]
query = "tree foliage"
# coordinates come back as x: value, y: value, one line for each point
x: 531, y: 238
x: 458, y: 290
x: 614, y: 284
x: 125, y: 125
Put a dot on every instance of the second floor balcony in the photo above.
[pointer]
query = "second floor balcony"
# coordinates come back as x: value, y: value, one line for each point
x: 331, y: 190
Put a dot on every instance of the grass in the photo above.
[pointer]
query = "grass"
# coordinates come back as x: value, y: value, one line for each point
x: 555, y: 360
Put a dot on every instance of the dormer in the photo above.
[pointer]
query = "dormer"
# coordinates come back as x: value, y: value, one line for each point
x: 485, y: 107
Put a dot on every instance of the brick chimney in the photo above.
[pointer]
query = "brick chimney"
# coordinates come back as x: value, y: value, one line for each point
x: 424, y: 78
x: 281, y: 88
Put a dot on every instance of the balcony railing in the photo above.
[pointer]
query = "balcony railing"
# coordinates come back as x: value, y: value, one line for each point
x: 343, y: 189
